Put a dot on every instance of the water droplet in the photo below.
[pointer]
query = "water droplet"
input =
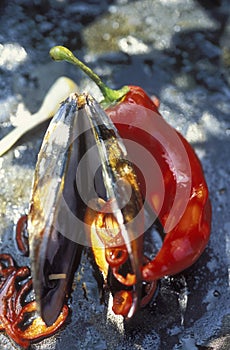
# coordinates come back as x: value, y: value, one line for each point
x: 216, y: 293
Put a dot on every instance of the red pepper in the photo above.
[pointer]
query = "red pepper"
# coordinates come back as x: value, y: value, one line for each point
x: 185, y: 242
x: 175, y: 186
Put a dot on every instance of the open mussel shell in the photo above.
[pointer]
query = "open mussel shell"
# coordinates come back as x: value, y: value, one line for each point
x: 82, y: 160
x: 53, y: 256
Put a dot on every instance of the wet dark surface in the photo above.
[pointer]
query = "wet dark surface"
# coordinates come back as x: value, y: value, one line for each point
x: 177, y: 50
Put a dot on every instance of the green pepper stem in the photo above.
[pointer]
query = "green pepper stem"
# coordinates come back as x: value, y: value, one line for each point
x: 61, y: 53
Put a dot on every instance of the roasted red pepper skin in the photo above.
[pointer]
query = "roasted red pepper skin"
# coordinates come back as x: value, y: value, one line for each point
x: 185, y: 242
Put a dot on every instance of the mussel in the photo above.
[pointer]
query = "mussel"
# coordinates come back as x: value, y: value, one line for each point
x: 84, y: 186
